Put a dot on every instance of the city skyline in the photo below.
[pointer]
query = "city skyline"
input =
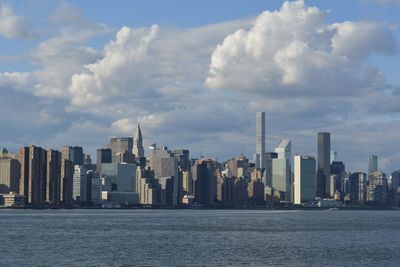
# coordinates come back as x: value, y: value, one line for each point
x: 178, y: 76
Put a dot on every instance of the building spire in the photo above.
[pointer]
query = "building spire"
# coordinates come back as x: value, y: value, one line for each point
x: 138, y: 150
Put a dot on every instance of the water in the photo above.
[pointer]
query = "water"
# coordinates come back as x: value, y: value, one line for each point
x: 199, y: 238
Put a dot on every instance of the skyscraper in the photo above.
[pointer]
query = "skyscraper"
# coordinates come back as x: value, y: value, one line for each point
x: 372, y: 165
x: 120, y: 145
x: 33, y: 174
x: 304, y: 179
x: 138, y: 150
x: 281, y: 171
x: 324, y: 168
x: 10, y: 173
x: 53, y: 177
x: 260, y: 140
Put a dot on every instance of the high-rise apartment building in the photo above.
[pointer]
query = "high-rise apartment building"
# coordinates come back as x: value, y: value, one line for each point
x: 377, y: 188
x: 33, y: 175
x: 67, y: 173
x: 324, y: 168
x: 53, y: 177
x: 10, y: 173
x: 260, y: 140
x: 304, y: 179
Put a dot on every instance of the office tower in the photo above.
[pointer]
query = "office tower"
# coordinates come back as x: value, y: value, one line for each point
x: 395, y: 184
x: 120, y: 177
x: 93, y: 187
x: 33, y: 175
x: 53, y: 177
x: 267, y: 177
x: 377, y: 188
x: 166, y: 171
x: 138, y: 150
x: 372, y: 165
x: 255, y: 191
x: 241, y: 193
x: 88, y: 160
x: 260, y: 140
x: 337, y: 170
x: 146, y: 186
x: 104, y: 155
x: 205, y: 181
x: 281, y: 178
x: 304, y: 179
x: 79, y: 179
x: 119, y: 145
x: 67, y: 173
x: 237, y: 163
x: 324, y: 168
x: 284, y: 149
x: 183, y: 158
x: 281, y: 171
x: 225, y: 190
x: 10, y: 174
x: 333, y: 156
x: 357, y: 187
x: 187, y: 182
x: 74, y: 154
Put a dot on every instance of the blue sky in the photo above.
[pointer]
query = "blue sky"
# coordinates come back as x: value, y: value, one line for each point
x: 196, y: 71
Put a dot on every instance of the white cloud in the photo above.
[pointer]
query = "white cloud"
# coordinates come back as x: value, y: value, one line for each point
x: 11, y: 25
x: 293, y: 52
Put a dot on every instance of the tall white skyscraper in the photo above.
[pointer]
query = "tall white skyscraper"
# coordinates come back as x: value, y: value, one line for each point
x: 284, y: 149
x: 304, y: 179
x: 260, y: 140
x: 138, y: 150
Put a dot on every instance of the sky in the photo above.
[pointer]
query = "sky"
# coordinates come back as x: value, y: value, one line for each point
x: 80, y: 72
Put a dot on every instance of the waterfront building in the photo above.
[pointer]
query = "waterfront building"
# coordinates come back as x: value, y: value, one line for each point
x: 377, y: 188
x: 357, y: 187
x: 33, y: 175
x: 304, y: 179
x: 281, y: 171
x: 255, y: 191
x: 323, y: 167
x: 240, y: 193
x: 119, y: 177
x: 395, y: 181
x: 94, y: 187
x: 79, y: 179
x: 281, y: 178
x: 53, y: 177
x: 13, y: 200
x: 10, y: 174
x: 104, y: 155
x: 205, y: 181
x: 225, y: 190
x: 67, y: 173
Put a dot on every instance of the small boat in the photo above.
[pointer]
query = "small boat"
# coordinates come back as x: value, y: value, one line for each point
x: 333, y: 209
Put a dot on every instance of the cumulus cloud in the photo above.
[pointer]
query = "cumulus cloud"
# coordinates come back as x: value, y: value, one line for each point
x: 11, y: 25
x: 294, y: 52
x: 307, y: 74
